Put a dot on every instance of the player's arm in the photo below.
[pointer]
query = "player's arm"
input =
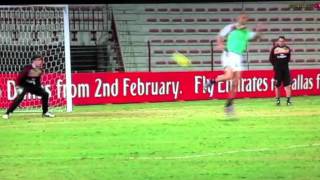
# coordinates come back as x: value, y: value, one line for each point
x: 257, y: 33
x: 289, y: 55
x: 271, y: 56
x: 22, y: 76
x: 222, y: 34
x: 220, y: 42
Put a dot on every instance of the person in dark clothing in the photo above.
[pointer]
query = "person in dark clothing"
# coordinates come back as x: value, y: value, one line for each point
x: 280, y: 57
x: 28, y: 81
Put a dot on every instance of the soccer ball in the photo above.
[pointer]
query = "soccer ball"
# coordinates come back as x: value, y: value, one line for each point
x: 181, y: 59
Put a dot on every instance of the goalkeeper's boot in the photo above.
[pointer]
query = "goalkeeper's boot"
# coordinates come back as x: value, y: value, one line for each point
x: 6, y: 116
x: 48, y: 115
x: 209, y: 83
x: 289, y: 103
x: 278, y: 101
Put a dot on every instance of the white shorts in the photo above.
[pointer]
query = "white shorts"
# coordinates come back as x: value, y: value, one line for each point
x: 231, y: 60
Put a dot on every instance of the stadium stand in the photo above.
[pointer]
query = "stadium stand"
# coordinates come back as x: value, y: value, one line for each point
x: 191, y: 29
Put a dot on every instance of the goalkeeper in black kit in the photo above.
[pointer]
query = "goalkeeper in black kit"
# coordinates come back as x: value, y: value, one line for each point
x: 28, y: 81
x: 280, y: 57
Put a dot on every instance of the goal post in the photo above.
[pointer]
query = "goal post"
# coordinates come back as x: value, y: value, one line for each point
x: 26, y: 30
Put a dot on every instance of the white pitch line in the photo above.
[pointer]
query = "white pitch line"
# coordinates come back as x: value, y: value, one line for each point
x: 194, y: 156
x: 183, y: 157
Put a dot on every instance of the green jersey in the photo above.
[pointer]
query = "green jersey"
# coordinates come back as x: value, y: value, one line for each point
x: 237, y: 39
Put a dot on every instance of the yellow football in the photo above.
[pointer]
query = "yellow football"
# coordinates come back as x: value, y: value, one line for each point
x: 181, y: 59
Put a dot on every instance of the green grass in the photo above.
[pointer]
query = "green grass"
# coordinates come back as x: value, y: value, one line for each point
x: 180, y: 140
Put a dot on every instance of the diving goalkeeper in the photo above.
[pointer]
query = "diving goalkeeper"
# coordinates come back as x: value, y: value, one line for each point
x: 28, y: 81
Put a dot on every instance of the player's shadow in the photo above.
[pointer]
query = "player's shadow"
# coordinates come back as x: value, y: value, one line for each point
x: 229, y: 119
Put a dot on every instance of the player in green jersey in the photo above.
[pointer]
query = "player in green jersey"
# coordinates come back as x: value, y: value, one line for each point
x: 237, y: 36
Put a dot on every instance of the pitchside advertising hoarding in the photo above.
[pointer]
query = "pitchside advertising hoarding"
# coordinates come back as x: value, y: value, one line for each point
x: 104, y: 88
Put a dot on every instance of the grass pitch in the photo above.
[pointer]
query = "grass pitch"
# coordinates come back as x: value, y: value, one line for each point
x: 180, y: 140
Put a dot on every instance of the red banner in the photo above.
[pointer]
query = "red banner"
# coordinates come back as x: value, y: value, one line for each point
x: 102, y: 88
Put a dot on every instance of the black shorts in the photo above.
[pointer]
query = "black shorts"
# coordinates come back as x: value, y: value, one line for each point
x: 282, y: 76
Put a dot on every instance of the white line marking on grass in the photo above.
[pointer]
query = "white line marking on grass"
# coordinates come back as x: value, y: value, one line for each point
x: 182, y: 157
x: 194, y: 156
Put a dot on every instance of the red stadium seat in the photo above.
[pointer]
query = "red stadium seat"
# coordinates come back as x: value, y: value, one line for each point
x: 202, y: 30
x: 168, y: 41
x: 158, y: 52
x: 297, y: 19
x: 285, y: 19
x: 153, y: 30
x: 201, y: 20
x: 169, y: 51
x: 274, y: 19
x: 261, y: 9
x: 310, y: 50
x: 189, y: 20
x: 195, y: 62
x: 237, y: 9
x: 298, y: 40
x: 205, y: 51
x: 273, y: 9
x: 164, y: 20
x: 264, y: 50
x: 298, y: 50
x: 194, y: 51
x: 204, y: 41
x: 192, y: 41
x: 178, y: 30
x: 226, y: 19
x: 253, y: 50
x: 200, y: 10
x: 254, y: 61
x: 182, y: 51
x: 251, y: 19
x: 177, y: 20
x: 274, y: 29
x: 214, y: 30
x: 156, y: 41
x: 286, y: 29
x: 180, y: 41
x: 206, y: 62
x: 299, y: 60
x: 309, y: 19
x: 212, y: 10
x: 264, y: 40
x: 265, y: 61
x: 166, y: 30
x: 172, y: 62
x: 190, y: 30
x: 187, y: 9
x: 309, y: 29
x: 310, y: 39
x: 310, y: 60
x: 160, y: 62
x: 175, y: 10
x: 249, y: 9
x: 285, y: 9
x: 214, y: 20
x: 297, y: 8
x: 162, y: 10
x: 262, y: 19
x: 148, y: 9
x: 298, y: 29
x: 224, y: 9
x: 215, y: 62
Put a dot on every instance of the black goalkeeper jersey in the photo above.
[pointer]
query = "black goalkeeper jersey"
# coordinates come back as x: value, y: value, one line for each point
x: 280, y: 56
x: 24, y: 78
